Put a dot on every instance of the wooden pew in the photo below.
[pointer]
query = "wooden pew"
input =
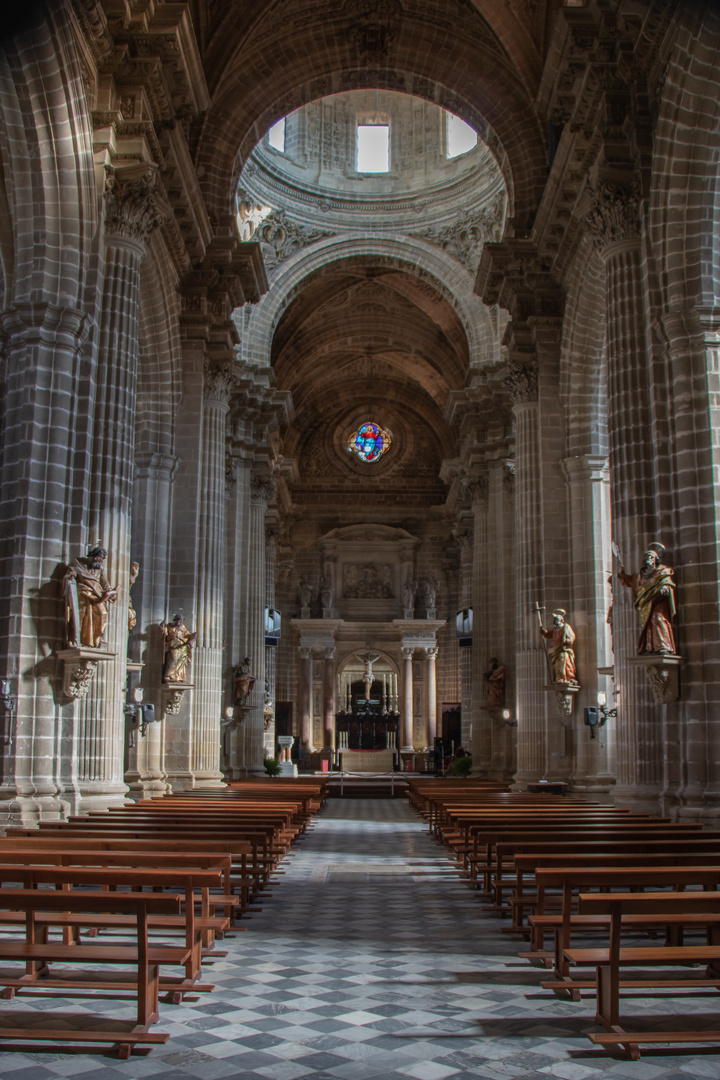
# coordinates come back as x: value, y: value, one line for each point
x: 680, y: 908
x: 36, y: 954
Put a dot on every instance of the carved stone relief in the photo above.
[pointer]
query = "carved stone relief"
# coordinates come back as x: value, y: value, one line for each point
x: 368, y: 581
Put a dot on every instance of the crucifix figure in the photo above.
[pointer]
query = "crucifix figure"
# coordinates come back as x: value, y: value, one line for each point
x: 368, y: 661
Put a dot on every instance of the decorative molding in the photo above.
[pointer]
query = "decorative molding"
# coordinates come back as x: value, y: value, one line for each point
x: 286, y: 237
x: 463, y: 240
x: 614, y: 215
x: 662, y: 673
x: 172, y: 696
x: 522, y: 380
x: 262, y: 490
x: 132, y: 208
x: 564, y: 695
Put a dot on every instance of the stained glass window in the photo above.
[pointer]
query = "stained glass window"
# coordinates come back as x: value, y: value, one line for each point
x: 369, y: 442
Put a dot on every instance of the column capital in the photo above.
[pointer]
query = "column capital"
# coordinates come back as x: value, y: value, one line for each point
x: 329, y: 652
x: 219, y: 379
x: 132, y: 208
x: 431, y: 651
x: 477, y: 488
x: 407, y: 652
x: 522, y: 380
x: 614, y: 215
x: 261, y: 489
x: 305, y: 652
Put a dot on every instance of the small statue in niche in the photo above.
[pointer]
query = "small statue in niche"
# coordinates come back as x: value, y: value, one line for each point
x: 177, y: 646
x: 562, y: 655
x: 87, y: 596
x: 609, y: 618
x: 132, y: 614
x: 327, y: 593
x: 305, y: 590
x: 495, y: 679
x: 244, y: 681
x: 409, y: 590
x: 268, y: 708
x: 653, y: 592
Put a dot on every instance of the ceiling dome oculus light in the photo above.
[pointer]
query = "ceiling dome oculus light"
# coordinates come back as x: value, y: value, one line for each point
x: 369, y: 442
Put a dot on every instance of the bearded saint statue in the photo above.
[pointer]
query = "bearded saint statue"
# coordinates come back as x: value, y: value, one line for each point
x: 87, y: 595
x: 561, y: 638
x: 653, y: 592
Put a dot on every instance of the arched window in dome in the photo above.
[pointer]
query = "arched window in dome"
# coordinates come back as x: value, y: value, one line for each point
x: 369, y: 442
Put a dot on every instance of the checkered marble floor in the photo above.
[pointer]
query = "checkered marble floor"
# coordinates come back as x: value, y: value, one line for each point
x: 373, y: 960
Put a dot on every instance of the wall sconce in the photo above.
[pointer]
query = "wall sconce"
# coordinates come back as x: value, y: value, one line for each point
x: 607, y: 714
x: 506, y: 719
x: 133, y: 702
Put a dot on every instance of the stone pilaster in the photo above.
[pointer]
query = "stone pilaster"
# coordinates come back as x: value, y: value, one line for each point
x: 431, y: 690
x: 531, y: 671
x: 614, y: 225
x: 480, y: 720
x: 219, y: 382
x: 407, y: 702
x: 272, y: 535
x: 152, y: 508
x: 328, y: 698
x: 590, y: 558
x: 41, y: 529
x: 260, y: 495
x: 132, y: 212
x: 305, y: 696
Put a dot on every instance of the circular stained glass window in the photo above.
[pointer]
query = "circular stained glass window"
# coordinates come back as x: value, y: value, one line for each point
x: 369, y: 442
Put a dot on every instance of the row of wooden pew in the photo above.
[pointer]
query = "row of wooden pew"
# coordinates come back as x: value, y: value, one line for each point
x: 132, y: 902
x: 634, y: 896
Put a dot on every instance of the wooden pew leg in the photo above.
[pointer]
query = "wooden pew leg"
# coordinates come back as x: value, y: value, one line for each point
x: 608, y: 996
x: 148, y: 990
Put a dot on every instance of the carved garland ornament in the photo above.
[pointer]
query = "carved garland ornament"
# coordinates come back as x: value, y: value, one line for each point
x: 522, y: 381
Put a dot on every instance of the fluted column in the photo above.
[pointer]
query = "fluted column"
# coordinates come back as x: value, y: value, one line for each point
x: 590, y: 557
x: 219, y: 381
x: 152, y: 509
x: 260, y: 494
x: 531, y: 673
x: 42, y: 355
x: 131, y: 214
x: 329, y: 699
x: 305, y: 697
x: 464, y: 537
x: 407, y: 714
x: 237, y: 567
x: 614, y: 225
x: 431, y: 730
x: 272, y: 536
x: 480, y: 719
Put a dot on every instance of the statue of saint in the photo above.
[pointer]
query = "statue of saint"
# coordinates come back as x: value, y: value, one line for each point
x: 177, y: 647
x: 87, y: 595
x: 132, y: 614
x: 305, y: 590
x: 244, y: 681
x: 653, y: 591
x: 561, y: 652
x: 327, y: 593
x: 409, y: 591
x: 495, y: 679
x: 429, y: 592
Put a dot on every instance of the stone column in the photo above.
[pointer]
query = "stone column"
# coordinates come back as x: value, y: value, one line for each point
x: 238, y: 476
x: 272, y: 535
x: 152, y: 510
x: 131, y: 214
x: 614, y: 225
x: 44, y: 420
x: 431, y: 654
x: 260, y: 494
x: 590, y: 558
x: 481, y: 721
x: 329, y: 699
x: 206, y: 671
x: 305, y: 698
x: 531, y: 671
x: 464, y: 537
x: 407, y: 714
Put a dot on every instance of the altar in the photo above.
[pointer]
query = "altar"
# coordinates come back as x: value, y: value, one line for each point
x: 367, y: 761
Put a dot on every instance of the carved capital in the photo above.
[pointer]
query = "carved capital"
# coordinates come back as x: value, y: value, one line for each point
x: 522, y: 380
x: 477, y: 489
x: 261, y: 490
x: 614, y: 215
x: 132, y: 208
x: 219, y: 380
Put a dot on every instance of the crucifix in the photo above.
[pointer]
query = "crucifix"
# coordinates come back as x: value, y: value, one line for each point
x: 368, y: 661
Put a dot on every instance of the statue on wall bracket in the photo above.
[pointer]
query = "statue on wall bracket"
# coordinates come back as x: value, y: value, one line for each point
x: 653, y: 591
x: 560, y: 658
x: 87, y: 594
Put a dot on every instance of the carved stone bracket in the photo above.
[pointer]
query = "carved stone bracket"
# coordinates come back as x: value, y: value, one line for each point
x: 662, y: 671
x: 172, y: 695
x: 564, y: 695
x: 79, y: 667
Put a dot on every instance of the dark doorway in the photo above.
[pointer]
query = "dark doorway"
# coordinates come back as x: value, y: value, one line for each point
x: 451, y: 726
x: 284, y: 724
